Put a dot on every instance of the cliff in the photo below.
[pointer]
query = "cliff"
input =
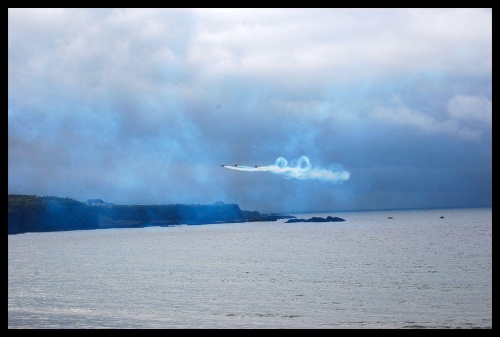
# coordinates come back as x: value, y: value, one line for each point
x: 144, y: 215
x: 29, y: 213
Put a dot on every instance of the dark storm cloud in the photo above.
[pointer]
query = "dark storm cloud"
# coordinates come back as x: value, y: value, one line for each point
x: 144, y: 105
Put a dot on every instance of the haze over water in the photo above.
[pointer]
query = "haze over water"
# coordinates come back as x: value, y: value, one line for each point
x: 416, y: 270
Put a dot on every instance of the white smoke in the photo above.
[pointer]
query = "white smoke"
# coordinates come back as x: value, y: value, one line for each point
x: 302, y: 170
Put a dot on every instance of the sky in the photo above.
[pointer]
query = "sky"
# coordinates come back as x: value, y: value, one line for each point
x: 339, y: 109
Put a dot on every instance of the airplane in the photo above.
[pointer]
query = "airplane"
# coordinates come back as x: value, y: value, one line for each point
x: 236, y: 165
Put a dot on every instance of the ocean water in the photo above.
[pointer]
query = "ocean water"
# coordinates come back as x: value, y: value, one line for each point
x: 416, y: 270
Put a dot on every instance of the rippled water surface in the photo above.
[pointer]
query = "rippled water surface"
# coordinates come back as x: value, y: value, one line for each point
x: 416, y: 270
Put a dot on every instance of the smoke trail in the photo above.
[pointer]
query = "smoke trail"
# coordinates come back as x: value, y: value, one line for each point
x: 303, y: 170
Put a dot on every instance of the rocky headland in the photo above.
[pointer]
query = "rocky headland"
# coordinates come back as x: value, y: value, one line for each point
x: 30, y: 213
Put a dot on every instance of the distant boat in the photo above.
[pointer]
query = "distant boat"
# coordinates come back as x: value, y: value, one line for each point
x: 390, y: 217
x: 441, y: 217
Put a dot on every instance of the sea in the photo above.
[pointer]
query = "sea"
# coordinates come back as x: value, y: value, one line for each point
x: 396, y: 269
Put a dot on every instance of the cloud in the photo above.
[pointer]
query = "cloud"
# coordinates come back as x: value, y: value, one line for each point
x: 470, y: 108
x: 144, y: 105
x: 460, y: 109
x: 341, y: 45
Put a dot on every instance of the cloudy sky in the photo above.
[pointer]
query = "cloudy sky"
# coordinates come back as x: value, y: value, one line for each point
x: 143, y: 106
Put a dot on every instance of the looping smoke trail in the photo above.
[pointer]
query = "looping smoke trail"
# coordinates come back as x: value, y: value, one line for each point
x: 302, y: 170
